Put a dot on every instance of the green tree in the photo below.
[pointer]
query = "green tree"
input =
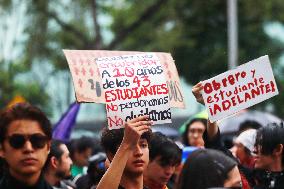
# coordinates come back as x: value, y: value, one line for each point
x: 12, y: 64
x: 194, y: 31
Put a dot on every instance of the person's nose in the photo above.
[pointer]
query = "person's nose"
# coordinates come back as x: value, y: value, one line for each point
x: 70, y: 161
x: 195, y: 134
x: 28, y: 147
x: 138, y: 151
x: 234, y: 150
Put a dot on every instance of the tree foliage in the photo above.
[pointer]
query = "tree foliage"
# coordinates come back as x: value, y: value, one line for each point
x: 194, y: 31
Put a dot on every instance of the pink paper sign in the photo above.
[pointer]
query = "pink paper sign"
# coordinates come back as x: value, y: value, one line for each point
x: 87, y: 82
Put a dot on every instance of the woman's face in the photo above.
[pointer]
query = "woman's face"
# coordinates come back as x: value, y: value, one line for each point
x: 195, y: 133
x: 238, y: 150
x: 234, y: 178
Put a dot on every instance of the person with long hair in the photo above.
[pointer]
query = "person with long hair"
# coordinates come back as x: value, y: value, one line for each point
x: 193, y: 134
x: 206, y: 168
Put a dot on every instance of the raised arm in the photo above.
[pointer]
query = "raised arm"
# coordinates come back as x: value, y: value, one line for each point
x: 132, y: 133
x: 196, y: 91
x: 212, y: 128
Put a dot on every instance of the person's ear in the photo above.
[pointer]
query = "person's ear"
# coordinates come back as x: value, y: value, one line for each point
x: 48, y: 146
x: 107, y: 163
x: 54, y: 162
x: 278, y: 150
x: 110, y: 156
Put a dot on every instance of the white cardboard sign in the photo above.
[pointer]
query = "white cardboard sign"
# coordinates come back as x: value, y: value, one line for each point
x: 134, y: 85
x: 240, y: 88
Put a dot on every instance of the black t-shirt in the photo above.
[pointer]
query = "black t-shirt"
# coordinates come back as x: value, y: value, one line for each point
x: 265, y: 179
x: 9, y: 182
x: 216, y: 144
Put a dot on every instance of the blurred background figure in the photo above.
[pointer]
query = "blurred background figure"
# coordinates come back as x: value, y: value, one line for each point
x: 249, y: 124
x: 193, y: 134
x: 57, y: 169
x: 80, y: 151
x: 164, y: 156
x: 244, y: 146
x: 207, y: 168
x: 96, y: 170
x: 269, y: 162
x: 186, y: 151
x: 229, y: 137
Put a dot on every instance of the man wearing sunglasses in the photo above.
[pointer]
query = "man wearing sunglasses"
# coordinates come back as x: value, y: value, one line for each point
x: 25, y: 135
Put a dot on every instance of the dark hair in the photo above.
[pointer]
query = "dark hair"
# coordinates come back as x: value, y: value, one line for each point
x: 55, y: 151
x: 269, y: 137
x: 95, y: 172
x: 205, y: 168
x: 111, y: 139
x: 84, y: 143
x: 23, y: 111
x: 80, y: 145
x: 185, y: 135
x: 249, y: 124
x: 167, y: 149
x: 96, y: 168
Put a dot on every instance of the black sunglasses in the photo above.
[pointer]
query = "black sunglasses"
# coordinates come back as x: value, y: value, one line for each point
x: 18, y: 141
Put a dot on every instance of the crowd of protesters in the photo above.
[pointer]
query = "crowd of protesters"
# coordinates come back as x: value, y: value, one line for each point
x: 135, y: 158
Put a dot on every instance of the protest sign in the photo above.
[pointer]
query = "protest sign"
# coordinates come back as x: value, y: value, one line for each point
x: 85, y: 76
x: 134, y: 85
x: 239, y: 88
x: 87, y: 82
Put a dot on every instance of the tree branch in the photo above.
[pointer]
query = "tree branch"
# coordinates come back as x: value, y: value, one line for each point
x: 98, y: 39
x: 147, y: 14
x: 69, y: 28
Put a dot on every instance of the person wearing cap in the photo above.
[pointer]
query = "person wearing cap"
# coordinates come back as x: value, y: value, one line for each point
x: 95, y: 172
x: 243, y: 148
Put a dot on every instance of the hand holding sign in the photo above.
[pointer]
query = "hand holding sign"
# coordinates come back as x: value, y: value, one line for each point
x: 196, y: 91
x: 237, y: 89
x: 134, y: 130
x: 134, y: 85
x: 129, y: 83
